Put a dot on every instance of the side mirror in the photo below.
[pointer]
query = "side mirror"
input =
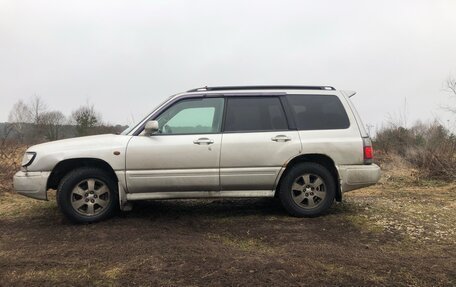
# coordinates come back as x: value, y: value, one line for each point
x: 151, y: 128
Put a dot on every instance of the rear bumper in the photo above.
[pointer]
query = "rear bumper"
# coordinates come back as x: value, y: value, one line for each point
x: 31, y: 184
x: 357, y: 176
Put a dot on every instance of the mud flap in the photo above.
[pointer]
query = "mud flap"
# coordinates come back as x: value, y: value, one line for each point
x: 124, y: 204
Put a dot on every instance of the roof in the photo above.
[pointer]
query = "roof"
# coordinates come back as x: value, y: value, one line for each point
x: 233, y: 88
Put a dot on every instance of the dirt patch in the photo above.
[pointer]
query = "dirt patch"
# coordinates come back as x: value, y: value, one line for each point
x: 378, y: 236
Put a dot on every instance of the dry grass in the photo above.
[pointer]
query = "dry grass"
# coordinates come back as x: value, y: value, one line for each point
x: 10, y: 162
x: 429, y: 148
x: 421, y: 210
x: 401, y: 232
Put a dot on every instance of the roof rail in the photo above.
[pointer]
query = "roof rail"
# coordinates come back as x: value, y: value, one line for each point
x: 230, y: 88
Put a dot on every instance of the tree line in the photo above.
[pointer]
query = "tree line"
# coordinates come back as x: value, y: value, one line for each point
x: 33, y: 121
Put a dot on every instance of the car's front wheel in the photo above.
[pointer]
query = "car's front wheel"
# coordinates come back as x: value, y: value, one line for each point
x: 87, y: 195
x: 308, y: 189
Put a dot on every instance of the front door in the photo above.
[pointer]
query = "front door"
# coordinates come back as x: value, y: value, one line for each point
x: 184, y: 155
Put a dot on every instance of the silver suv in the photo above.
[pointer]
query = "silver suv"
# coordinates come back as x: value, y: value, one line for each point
x: 305, y: 145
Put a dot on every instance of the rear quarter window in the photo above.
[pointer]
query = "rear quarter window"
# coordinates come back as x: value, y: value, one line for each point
x: 318, y: 112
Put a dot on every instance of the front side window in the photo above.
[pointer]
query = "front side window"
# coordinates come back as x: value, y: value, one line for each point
x: 192, y: 116
x: 244, y: 114
x: 318, y: 112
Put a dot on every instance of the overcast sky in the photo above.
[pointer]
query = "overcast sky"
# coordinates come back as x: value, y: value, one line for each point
x: 127, y: 56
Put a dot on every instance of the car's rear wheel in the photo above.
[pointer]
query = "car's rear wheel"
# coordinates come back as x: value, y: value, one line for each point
x: 308, y: 189
x: 87, y: 195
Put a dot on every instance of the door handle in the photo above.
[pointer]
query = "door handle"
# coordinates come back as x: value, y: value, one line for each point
x: 281, y: 138
x: 203, y: 141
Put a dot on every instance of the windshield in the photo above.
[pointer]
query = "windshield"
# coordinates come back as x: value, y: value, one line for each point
x: 127, y: 130
x: 131, y: 128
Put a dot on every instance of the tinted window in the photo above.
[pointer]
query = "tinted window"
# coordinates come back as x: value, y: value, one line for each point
x: 318, y: 112
x: 254, y: 114
x: 194, y: 116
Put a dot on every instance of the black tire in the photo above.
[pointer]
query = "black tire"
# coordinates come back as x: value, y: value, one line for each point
x: 66, y: 195
x: 305, y: 208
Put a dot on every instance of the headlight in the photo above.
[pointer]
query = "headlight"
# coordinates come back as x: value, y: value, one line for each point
x: 28, y: 158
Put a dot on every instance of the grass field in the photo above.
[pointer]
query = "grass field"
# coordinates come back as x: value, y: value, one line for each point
x: 397, y: 233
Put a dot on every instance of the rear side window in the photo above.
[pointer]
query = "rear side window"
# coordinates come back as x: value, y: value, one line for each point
x: 318, y: 112
x: 245, y: 114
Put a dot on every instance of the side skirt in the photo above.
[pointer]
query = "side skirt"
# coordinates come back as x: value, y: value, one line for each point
x: 199, y: 194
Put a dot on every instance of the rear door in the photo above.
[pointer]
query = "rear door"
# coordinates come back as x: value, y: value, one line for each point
x: 256, y: 142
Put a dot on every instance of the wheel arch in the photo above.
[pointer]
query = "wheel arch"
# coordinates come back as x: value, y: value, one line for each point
x: 65, y: 166
x: 318, y: 158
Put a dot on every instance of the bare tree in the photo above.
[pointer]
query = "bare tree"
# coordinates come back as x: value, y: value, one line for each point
x: 26, y: 119
x: 400, y: 118
x: 19, y: 116
x: 85, y: 118
x: 20, y: 113
x: 51, y: 124
x: 37, y: 107
x: 450, y: 87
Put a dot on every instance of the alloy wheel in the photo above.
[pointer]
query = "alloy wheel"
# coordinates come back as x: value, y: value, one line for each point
x: 308, y: 191
x: 90, y: 197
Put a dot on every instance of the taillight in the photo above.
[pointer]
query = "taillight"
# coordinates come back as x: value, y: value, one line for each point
x: 368, y: 151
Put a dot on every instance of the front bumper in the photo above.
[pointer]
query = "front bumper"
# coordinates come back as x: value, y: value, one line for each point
x: 357, y: 176
x: 31, y: 184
